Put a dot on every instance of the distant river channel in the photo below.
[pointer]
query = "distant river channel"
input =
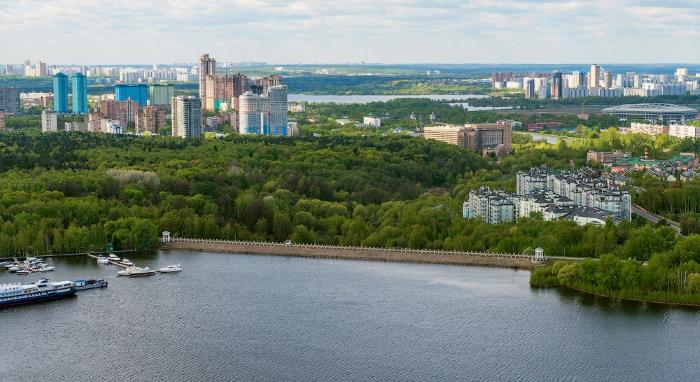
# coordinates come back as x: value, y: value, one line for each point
x: 377, y: 98
x: 256, y: 318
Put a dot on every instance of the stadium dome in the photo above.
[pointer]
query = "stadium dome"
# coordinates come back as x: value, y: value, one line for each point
x: 653, y: 112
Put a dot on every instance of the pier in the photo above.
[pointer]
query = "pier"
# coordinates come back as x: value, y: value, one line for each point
x: 110, y: 261
x: 46, y: 256
x: 431, y: 256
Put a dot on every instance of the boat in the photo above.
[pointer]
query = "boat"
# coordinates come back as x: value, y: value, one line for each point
x: 24, y: 272
x: 113, y: 257
x: 126, y: 262
x: 141, y: 272
x: 102, y: 260
x: 45, y: 269
x: 42, y: 290
x: 171, y: 269
x: 128, y: 271
x: 89, y: 284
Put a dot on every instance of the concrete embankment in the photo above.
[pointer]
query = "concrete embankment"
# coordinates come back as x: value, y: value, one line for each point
x: 355, y: 253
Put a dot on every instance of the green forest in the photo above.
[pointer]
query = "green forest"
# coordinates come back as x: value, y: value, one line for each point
x: 69, y: 191
x: 321, y: 118
x: 671, y: 274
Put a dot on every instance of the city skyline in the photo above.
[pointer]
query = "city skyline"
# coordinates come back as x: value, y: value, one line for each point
x: 397, y: 31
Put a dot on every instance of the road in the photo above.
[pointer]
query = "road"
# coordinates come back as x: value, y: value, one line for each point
x: 654, y: 218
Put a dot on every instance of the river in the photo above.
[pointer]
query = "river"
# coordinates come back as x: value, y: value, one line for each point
x: 258, y: 318
x: 376, y: 98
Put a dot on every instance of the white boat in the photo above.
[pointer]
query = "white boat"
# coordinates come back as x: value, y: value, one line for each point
x: 24, y: 272
x: 145, y: 271
x: 126, y: 262
x: 128, y: 271
x: 171, y: 269
x: 45, y: 269
x: 113, y: 257
x: 102, y: 260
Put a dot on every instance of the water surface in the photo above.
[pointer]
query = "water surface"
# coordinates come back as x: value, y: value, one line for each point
x: 257, y: 318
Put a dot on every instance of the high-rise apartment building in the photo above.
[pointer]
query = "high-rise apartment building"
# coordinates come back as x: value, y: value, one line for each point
x: 186, y: 117
x: 49, y: 121
x: 121, y: 111
x: 60, y: 93
x: 637, y: 81
x: 277, y: 96
x: 594, y: 76
x: 28, y: 70
x: 207, y: 67
x: 160, y: 94
x: 529, y: 86
x: 80, y: 104
x: 135, y: 92
x: 150, y: 119
x: 556, y: 85
x: 607, y: 80
x: 9, y: 101
x: 578, y: 79
x: 41, y: 70
x: 262, y: 85
x: 222, y: 90
x: 253, y: 113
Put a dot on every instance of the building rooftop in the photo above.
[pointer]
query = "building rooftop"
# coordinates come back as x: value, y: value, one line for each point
x: 649, y: 108
x: 641, y: 161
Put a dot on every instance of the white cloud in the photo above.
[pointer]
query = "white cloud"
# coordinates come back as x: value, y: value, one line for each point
x: 135, y: 31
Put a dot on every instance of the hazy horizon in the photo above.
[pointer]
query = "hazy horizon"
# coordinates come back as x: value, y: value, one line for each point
x: 340, y: 32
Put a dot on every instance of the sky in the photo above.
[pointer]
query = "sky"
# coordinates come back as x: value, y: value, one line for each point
x: 328, y: 31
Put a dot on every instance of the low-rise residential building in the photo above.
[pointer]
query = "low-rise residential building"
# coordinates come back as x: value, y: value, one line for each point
x: 2, y: 120
x: 681, y: 162
x: 582, y: 187
x: 538, y: 201
x: 490, y: 138
x: 296, y: 107
x: 498, y: 206
x: 483, y: 138
x: 493, y: 206
x: 372, y: 121
x: 648, y: 129
x: 109, y: 126
x: 452, y: 134
x: 76, y: 126
x: 606, y: 157
x: 684, y: 131
x: 691, y: 174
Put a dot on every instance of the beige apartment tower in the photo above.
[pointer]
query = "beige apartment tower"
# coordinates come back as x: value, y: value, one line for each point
x: 594, y: 76
x: 207, y: 67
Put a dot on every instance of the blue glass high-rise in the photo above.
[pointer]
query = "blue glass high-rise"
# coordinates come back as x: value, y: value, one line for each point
x: 60, y: 93
x: 137, y: 93
x: 80, y: 105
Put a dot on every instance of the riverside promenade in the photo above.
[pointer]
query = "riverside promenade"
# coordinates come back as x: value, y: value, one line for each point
x: 502, y: 260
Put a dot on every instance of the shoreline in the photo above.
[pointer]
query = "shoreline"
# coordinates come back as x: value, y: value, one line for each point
x: 627, y: 299
x: 349, y: 253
